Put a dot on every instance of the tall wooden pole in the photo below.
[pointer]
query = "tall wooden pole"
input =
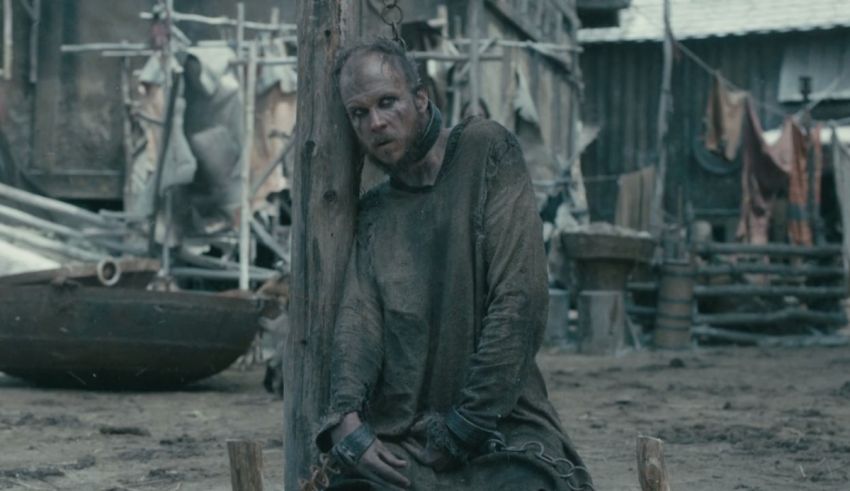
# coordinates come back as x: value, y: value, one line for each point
x: 474, y: 33
x: 245, y: 170
x: 324, y: 205
x: 656, y: 217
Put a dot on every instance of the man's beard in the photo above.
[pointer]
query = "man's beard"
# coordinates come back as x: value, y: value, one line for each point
x: 406, y: 160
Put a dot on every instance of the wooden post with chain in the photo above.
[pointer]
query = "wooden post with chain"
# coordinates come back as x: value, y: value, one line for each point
x: 324, y: 205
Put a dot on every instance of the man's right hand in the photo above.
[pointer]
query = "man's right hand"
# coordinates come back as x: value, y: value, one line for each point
x: 378, y: 462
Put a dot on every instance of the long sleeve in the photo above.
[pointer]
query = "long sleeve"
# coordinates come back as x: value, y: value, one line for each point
x: 357, y: 346
x: 516, y: 298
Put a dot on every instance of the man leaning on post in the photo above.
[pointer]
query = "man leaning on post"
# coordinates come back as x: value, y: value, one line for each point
x: 434, y: 385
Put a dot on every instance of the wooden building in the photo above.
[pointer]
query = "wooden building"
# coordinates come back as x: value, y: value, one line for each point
x: 762, y: 46
x: 62, y: 116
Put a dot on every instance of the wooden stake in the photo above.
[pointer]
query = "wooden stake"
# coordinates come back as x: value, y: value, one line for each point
x: 246, y: 465
x: 652, y: 472
x: 325, y: 190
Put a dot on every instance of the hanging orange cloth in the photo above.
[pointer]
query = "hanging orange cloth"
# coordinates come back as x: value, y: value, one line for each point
x: 762, y: 179
x: 792, y: 151
x: 724, y: 118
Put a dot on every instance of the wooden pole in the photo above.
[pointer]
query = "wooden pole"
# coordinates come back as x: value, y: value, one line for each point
x: 245, y: 174
x: 35, y: 21
x: 33, y: 240
x: 246, y: 465
x: 773, y: 250
x: 222, y: 21
x: 652, y: 472
x: 169, y: 195
x: 324, y: 203
x: 656, y: 218
x: 127, y: 126
x: 474, y: 33
x: 54, y: 206
x: 7, y: 39
x: 240, y: 30
x: 703, y: 291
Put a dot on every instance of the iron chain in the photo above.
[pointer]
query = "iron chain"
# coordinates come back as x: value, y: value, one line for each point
x: 393, y: 16
x: 562, y: 467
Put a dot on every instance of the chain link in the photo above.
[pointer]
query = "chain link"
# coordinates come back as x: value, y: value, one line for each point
x: 320, y: 475
x: 393, y: 16
x: 562, y: 467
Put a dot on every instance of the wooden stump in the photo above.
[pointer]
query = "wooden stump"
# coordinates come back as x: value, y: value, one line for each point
x: 652, y: 472
x: 601, y: 317
x: 246, y: 465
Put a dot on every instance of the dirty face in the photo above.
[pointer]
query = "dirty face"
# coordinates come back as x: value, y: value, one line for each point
x: 386, y: 114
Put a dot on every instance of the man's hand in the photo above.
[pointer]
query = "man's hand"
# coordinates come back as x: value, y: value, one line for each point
x: 377, y: 462
x: 380, y: 464
x: 434, y: 458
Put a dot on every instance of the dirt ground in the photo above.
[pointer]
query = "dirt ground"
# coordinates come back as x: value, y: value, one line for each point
x: 732, y: 419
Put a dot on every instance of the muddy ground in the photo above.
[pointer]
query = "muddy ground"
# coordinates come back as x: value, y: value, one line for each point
x: 733, y: 419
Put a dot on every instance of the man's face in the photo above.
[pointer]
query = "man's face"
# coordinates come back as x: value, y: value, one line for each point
x: 385, y: 114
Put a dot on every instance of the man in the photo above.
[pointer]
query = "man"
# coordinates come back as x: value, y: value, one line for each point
x: 433, y: 380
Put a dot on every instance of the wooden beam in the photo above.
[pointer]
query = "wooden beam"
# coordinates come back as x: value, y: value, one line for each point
x: 777, y: 250
x: 7, y: 39
x: 473, y: 30
x: 325, y: 191
x: 222, y: 21
x: 784, y: 315
x: 33, y: 240
x: 245, y: 169
x: 35, y: 21
x: 771, y: 341
x: 665, y: 109
x: 703, y: 291
x: 54, y: 206
x: 773, y: 269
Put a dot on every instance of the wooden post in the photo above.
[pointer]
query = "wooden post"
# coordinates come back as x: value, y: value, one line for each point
x: 245, y: 171
x: 474, y: 33
x: 324, y: 205
x: 656, y: 215
x: 7, y: 39
x: 127, y: 124
x: 246, y: 465
x: 167, y: 82
x: 601, y: 318
x: 240, y: 30
x: 652, y: 472
x: 35, y: 21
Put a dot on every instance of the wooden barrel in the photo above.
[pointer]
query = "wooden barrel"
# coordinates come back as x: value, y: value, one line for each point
x: 675, y: 304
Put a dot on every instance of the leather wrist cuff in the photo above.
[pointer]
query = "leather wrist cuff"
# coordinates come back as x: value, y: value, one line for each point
x: 349, y: 450
x: 470, y: 434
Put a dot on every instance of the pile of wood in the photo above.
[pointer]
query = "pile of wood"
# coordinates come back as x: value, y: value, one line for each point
x: 768, y: 295
x: 63, y: 234
x: 756, y: 293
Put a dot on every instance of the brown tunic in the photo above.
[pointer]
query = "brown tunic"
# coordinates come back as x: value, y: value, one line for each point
x: 444, y: 308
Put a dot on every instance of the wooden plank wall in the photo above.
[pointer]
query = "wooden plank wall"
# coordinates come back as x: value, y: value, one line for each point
x: 622, y: 82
